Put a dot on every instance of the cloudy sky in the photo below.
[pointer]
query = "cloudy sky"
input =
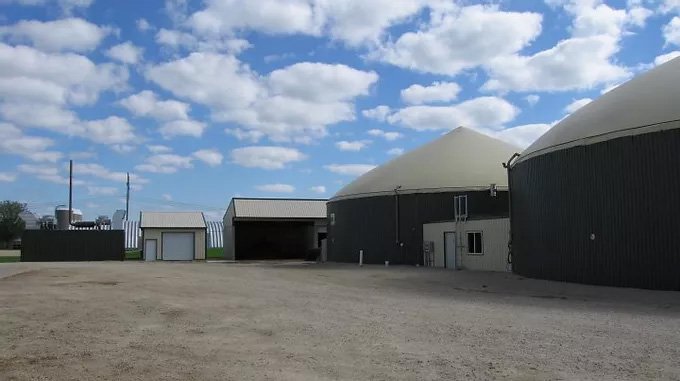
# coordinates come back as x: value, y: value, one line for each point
x: 205, y: 100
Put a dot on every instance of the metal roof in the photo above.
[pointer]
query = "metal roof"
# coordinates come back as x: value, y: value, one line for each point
x: 278, y: 208
x: 462, y: 159
x: 190, y: 220
x: 644, y: 104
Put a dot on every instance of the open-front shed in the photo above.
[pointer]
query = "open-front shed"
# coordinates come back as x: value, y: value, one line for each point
x: 262, y: 228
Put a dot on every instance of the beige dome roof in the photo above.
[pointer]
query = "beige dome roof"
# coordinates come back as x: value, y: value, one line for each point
x: 644, y: 104
x: 462, y: 159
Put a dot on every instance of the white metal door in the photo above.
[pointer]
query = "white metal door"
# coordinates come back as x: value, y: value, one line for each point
x: 178, y: 246
x: 450, y: 250
x: 150, y: 250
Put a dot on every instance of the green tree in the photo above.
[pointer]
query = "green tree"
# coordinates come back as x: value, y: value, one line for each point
x: 11, y: 225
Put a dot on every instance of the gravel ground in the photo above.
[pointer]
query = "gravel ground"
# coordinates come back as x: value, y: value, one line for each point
x: 293, y: 321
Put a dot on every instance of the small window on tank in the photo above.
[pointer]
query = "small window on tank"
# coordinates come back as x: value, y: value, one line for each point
x: 474, y: 245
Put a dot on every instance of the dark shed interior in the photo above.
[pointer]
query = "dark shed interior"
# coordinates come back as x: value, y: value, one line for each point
x: 257, y: 240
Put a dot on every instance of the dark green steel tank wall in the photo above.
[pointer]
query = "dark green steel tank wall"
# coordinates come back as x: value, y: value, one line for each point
x: 625, y: 192
x: 369, y: 224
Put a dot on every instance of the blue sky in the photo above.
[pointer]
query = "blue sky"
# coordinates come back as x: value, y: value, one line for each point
x: 205, y: 100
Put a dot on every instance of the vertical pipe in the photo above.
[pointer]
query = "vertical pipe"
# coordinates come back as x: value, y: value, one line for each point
x: 361, y: 257
x: 508, y: 167
x: 127, y: 197
x: 70, y: 192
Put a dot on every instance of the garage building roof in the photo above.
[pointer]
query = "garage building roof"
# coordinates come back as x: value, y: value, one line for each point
x: 278, y: 208
x: 190, y: 220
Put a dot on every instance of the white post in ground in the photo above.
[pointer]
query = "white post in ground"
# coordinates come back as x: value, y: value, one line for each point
x: 361, y: 257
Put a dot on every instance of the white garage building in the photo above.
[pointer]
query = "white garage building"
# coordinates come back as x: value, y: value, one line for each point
x: 173, y: 236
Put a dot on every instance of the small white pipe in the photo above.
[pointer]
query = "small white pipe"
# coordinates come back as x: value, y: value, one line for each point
x: 361, y: 257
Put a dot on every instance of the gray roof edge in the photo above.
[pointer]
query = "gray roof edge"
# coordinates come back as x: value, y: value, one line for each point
x: 418, y: 191
x: 633, y: 131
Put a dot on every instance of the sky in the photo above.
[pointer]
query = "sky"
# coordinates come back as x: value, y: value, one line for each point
x: 202, y: 101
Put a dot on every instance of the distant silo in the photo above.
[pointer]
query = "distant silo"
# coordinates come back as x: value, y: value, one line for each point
x: 61, y: 214
x: 595, y: 200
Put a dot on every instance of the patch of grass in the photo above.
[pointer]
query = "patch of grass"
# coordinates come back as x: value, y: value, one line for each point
x: 133, y: 255
x: 9, y: 259
x: 215, y: 253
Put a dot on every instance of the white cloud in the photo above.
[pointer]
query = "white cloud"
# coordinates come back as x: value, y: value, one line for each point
x: 532, y: 99
x: 157, y: 148
x: 670, y: 5
x: 34, y: 148
x: 112, y: 130
x: 576, y: 63
x: 576, y: 104
x: 457, y: 38
x: 387, y: 135
x: 82, y: 155
x: 123, y: 148
x: 269, y: 16
x: 99, y: 171
x: 143, y: 25
x: 354, y: 22
x: 102, y: 191
x: 483, y: 112
x: 276, y: 188
x: 582, y: 61
x: 47, y: 173
x: 165, y: 163
x: 241, y: 134
x: 266, y: 157
x: 209, y: 156
x: 216, y: 80
x: 176, y: 40
x: 662, y: 59
x: 356, y: 145
x: 126, y: 53
x: 182, y: 128
x: 349, y: 169
x: 318, y: 189
x: 67, y: 6
x: 319, y: 82
x: 436, y: 92
x: 7, y: 177
x: 277, y: 106
x: 671, y: 32
x: 378, y: 113
x: 364, y: 22
x: 395, y: 151
x: 67, y: 77
x: 70, y: 34
x: 522, y: 136
x: 166, y: 197
x: 146, y: 103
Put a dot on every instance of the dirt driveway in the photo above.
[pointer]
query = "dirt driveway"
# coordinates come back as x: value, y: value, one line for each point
x: 218, y: 321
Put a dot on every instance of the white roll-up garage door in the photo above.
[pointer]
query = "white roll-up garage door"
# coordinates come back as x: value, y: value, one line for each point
x: 178, y: 246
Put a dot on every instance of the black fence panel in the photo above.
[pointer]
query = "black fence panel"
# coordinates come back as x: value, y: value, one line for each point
x: 72, y: 245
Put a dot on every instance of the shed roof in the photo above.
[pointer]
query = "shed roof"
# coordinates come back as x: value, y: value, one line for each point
x: 278, y: 208
x: 647, y: 103
x: 189, y: 220
x: 463, y: 159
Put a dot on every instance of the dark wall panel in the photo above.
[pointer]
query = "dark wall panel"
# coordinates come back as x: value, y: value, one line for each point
x: 272, y: 240
x: 625, y: 192
x: 369, y: 224
x: 72, y: 245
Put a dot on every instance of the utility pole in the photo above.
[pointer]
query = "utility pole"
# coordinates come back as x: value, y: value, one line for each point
x: 127, y: 198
